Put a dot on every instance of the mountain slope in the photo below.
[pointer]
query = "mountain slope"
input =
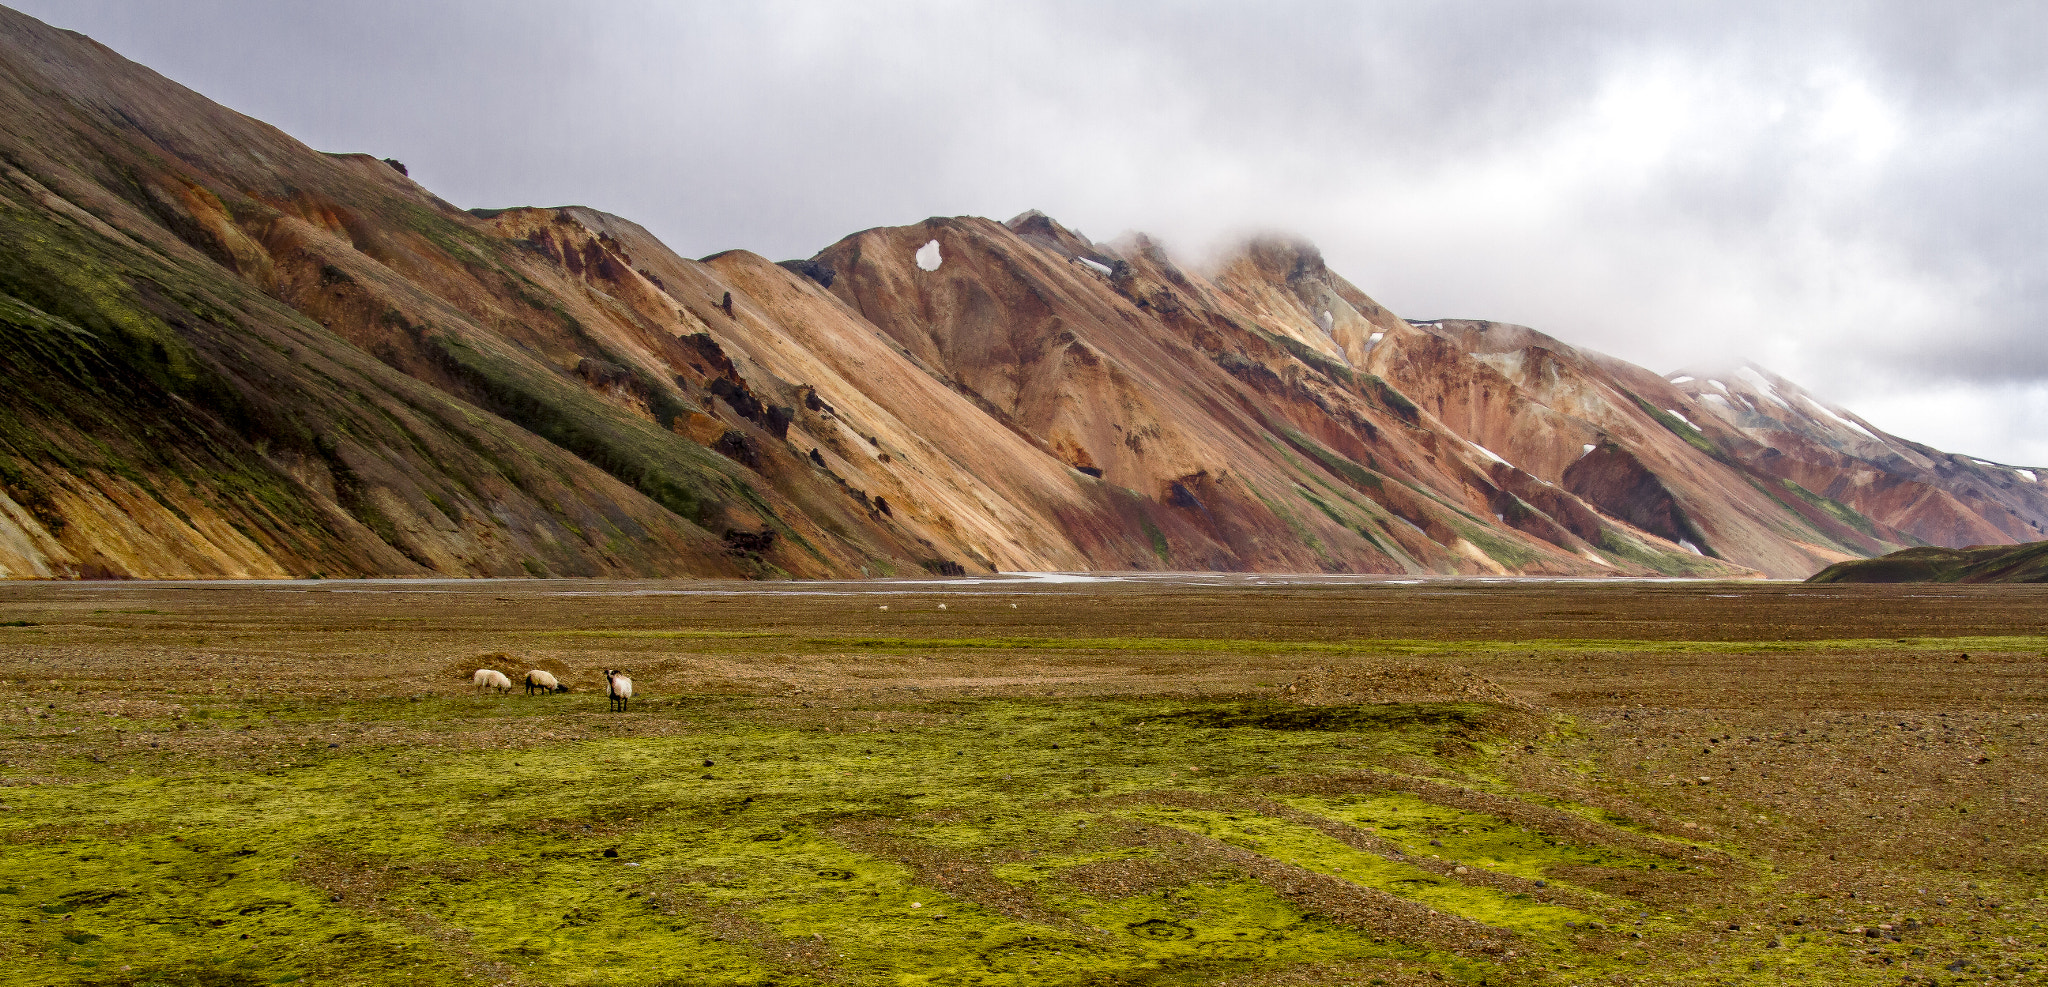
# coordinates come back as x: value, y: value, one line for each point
x: 1977, y: 564
x: 237, y: 356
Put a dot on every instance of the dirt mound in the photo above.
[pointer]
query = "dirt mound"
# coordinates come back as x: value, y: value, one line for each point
x: 1391, y: 682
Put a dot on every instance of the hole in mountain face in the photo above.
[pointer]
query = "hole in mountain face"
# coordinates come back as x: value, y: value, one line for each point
x: 928, y: 258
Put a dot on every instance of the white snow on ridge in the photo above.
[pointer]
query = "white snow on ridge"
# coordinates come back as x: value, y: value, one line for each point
x: 928, y: 258
x: 1716, y: 383
x: 1831, y: 413
x: 1717, y: 399
x: 1488, y: 453
x: 1681, y: 379
x: 1673, y: 412
x: 2029, y: 474
x: 1690, y: 547
x: 1762, y: 383
x: 1096, y: 266
x: 1376, y: 337
x: 1588, y: 450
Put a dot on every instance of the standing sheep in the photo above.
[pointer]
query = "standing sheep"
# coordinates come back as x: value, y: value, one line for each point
x: 537, y: 680
x: 618, y: 687
x: 490, y: 678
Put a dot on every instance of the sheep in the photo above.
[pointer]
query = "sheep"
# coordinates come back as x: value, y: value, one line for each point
x: 537, y: 680
x: 618, y: 687
x: 490, y: 678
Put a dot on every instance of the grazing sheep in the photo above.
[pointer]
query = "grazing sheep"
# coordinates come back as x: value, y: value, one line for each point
x: 490, y: 678
x: 618, y: 687
x: 537, y: 680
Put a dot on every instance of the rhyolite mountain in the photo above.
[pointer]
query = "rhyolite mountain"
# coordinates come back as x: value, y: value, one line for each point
x: 230, y: 355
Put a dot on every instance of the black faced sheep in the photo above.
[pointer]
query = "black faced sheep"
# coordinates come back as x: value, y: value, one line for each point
x: 618, y: 687
x: 492, y: 679
x: 539, y: 681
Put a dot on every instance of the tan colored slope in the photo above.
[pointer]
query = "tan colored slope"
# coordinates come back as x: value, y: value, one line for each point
x: 1201, y: 393
x: 1591, y: 425
x: 348, y: 436
x: 243, y: 357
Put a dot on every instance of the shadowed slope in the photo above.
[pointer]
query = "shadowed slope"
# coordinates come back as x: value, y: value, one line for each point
x: 1977, y: 564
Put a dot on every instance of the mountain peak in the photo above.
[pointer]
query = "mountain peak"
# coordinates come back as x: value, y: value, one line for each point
x: 241, y: 357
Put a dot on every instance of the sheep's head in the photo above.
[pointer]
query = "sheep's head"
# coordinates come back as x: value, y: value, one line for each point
x: 559, y: 687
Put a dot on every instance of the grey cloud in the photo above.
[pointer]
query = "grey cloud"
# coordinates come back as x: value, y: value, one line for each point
x: 1850, y: 192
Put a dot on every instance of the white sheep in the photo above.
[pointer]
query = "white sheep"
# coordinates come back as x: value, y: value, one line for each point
x: 537, y: 680
x: 490, y: 678
x: 618, y: 687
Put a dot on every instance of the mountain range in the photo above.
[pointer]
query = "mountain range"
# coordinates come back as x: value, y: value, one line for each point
x: 232, y: 356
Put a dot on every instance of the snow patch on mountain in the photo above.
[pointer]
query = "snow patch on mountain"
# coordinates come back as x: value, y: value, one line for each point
x: 1488, y: 453
x: 928, y: 258
x: 1764, y: 385
x: 1830, y: 412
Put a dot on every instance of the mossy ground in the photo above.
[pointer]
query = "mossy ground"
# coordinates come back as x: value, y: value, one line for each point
x: 203, y: 791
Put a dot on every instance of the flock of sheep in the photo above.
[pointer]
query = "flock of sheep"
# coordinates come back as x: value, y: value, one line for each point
x: 617, y: 687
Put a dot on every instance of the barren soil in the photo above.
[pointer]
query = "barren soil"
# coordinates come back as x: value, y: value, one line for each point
x: 1144, y: 781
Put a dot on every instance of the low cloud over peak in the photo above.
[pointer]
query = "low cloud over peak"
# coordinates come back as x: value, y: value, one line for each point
x: 1848, y: 193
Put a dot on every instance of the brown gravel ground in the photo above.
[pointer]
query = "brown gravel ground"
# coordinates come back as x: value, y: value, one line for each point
x: 1897, y: 781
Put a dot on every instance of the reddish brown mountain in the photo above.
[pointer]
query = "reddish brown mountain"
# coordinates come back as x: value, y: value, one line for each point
x: 235, y: 356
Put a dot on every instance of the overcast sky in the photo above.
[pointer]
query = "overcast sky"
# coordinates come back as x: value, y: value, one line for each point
x: 1852, y: 194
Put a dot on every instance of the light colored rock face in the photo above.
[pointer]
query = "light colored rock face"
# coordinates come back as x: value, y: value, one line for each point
x: 253, y: 359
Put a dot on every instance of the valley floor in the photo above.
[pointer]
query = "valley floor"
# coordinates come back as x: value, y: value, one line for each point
x: 1159, y: 780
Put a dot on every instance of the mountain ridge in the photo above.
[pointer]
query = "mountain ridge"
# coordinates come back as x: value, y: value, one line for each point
x: 243, y: 357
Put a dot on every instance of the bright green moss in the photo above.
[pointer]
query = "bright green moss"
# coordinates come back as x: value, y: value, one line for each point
x: 1309, y: 849
x: 1472, y: 838
x: 826, y: 850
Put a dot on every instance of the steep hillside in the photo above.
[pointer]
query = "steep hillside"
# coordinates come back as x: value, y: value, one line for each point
x: 1977, y: 564
x: 235, y: 356
x: 1930, y: 496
